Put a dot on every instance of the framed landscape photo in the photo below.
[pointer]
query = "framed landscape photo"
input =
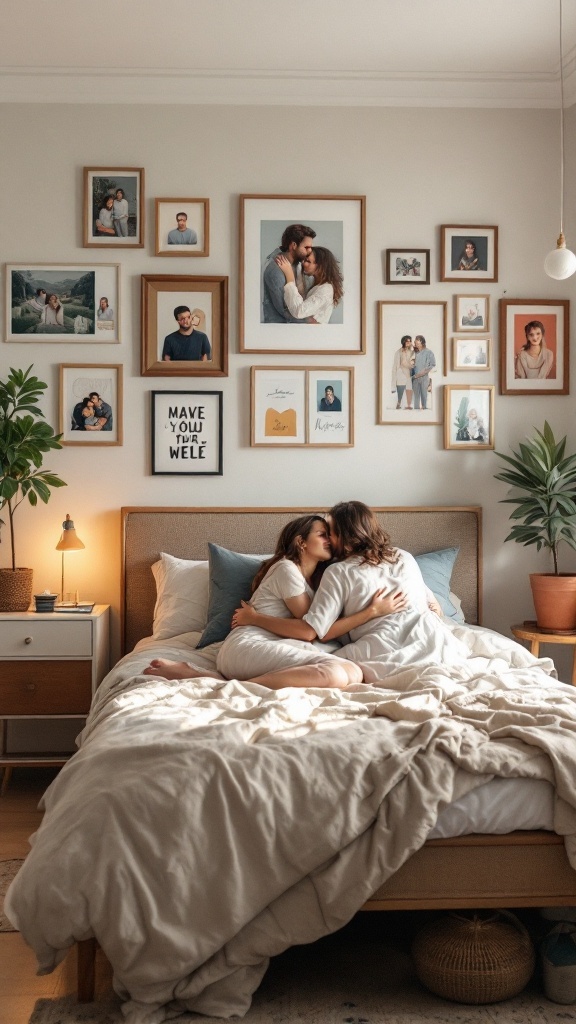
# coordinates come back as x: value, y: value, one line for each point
x: 293, y: 406
x: 182, y: 227
x: 471, y: 353
x: 469, y: 416
x: 534, y: 346
x: 412, y: 358
x: 187, y: 433
x: 91, y: 404
x: 184, y: 326
x: 73, y: 302
x: 468, y: 253
x: 471, y: 313
x: 316, y: 304
x: 407, y: 266
x: 113, y: 207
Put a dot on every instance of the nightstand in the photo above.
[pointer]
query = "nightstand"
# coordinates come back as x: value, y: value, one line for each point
x: 50, y: 666
x: 530, y: 631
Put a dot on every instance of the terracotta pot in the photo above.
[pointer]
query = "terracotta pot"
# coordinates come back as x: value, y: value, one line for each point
x: 15, y: 590
x: 554, y: 600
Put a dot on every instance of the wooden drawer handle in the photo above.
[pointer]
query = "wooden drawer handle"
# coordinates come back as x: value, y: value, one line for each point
x: 31, y: 687
x: 27, y: 639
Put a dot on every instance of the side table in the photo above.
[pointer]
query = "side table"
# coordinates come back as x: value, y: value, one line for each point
x: 530, y: 631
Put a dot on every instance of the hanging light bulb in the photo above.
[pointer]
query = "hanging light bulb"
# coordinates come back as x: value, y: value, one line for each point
x: 561, y: 262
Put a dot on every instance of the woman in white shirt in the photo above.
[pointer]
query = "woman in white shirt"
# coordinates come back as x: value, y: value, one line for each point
x: 317, y: 304
x: 51, y: 317
x: 120, y: 213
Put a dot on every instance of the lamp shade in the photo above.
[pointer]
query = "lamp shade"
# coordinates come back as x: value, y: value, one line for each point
x: 561, y: 262
x: 69, y: 541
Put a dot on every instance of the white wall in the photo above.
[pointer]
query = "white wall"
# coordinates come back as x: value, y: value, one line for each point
x: 418, y: 169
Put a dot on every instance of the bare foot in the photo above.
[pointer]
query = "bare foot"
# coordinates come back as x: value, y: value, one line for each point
x: 173, y: 670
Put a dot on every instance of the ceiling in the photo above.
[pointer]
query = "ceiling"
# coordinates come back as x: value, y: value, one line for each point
x: 481, y: 53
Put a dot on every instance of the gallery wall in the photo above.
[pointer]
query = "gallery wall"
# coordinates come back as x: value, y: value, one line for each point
x: 418, y: 169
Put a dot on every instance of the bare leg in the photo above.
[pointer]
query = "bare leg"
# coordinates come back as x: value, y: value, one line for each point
x: 408, y: 399
x: 336, y: 673
x: 176, y: 670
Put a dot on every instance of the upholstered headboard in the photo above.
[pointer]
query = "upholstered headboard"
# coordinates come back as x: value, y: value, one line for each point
x: 185, y: 532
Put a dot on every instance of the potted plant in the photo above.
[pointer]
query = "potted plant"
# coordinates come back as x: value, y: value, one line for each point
x: 543, y: 479
x: 24, y: 439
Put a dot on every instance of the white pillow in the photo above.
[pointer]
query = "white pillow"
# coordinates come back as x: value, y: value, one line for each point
x: 181, y: 596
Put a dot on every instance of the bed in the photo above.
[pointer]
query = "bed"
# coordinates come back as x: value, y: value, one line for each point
x: 527, y: 867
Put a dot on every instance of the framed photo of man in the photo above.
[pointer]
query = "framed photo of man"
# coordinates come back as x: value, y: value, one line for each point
x: 187, y: 433
x: 469, y: 416
x: 302, y: 274
x: 65, y: 302
x: 468, y: 253
x: 91, y: 404
x: 182, y: 227
x: 534, y: 346
x: 184, y: 326
x: 412, y: 359
x: 113, y: 207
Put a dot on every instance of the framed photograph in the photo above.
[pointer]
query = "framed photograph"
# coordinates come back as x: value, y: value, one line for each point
x: 182, y: 227
x: 114, y: 207
x: 468, y: 253
x: 184, y: 326
x: 91, y: 404
x: 471, y: 313
x: 469, y: 416
x: 412, y: 358
x: 534, y: 346
x: 302, y: 274
x: 407, y: 266
x: 75, y: 302
x: 187, y: 433
x: 471, y: 353
x: 294, y: 406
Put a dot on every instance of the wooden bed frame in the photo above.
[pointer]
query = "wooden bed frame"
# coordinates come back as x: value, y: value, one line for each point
x: 522, y: 869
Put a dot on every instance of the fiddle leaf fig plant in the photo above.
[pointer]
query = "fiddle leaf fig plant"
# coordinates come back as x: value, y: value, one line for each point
x: 25, y: 437
x: 544, y: 479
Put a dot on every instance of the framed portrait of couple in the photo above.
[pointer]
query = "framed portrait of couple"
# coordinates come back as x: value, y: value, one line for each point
x: 412, y: 360
x: 302, y: 274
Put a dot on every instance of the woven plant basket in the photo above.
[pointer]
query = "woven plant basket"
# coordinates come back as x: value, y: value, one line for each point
x: 15, y: 589
x: 475, y: 958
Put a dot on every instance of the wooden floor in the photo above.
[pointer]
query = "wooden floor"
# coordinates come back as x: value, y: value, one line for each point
x: 19, y: 986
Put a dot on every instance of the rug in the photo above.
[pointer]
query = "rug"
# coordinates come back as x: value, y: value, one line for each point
x: 8, y: 870
x: 362, y: 975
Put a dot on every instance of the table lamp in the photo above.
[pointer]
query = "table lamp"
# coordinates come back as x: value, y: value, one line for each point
x: 69, y: 541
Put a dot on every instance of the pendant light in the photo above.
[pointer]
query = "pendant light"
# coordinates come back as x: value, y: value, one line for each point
x: 561, y: 262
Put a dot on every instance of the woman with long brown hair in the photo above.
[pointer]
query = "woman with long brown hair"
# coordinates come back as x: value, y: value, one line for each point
x: 317, y: 304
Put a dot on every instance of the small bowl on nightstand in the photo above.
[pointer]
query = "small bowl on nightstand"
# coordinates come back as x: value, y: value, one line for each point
x: 45, y: 602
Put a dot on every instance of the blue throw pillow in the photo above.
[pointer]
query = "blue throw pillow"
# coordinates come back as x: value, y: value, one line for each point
x: 230, y: 581
x: 436, y: 568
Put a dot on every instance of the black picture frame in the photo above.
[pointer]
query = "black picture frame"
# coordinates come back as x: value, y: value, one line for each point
x: 178, y: 419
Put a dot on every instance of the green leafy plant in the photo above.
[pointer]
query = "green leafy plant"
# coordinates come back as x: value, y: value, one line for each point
x: 545, y: 481
x: 24, y: 439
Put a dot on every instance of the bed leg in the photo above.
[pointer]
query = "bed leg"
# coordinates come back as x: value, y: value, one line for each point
x: 86, y: 970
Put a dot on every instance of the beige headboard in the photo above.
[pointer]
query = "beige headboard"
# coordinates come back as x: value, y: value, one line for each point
x: 185, y: 532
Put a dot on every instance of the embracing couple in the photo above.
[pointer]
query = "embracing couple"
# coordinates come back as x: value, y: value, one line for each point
x: 373, y: 592
x: 302, y: 282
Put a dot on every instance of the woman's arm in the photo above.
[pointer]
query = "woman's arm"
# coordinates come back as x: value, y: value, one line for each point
x: 296, y: 629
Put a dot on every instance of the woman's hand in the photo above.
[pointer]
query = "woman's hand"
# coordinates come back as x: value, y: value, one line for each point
x: 388, y: 604
x: 244, y: 616
x: 435, y: 607
x: 286, y: 268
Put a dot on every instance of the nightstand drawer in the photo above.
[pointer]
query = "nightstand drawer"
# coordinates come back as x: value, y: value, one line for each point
x: 45, y: 687
x: 21, y: 638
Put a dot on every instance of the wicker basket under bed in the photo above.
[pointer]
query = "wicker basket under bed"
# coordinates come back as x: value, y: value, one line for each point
x: 474, y: 958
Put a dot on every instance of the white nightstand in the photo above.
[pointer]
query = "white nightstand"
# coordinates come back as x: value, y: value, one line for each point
x: 50, y: 666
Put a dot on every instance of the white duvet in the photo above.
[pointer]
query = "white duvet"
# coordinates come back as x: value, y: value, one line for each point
x: 206, y: 825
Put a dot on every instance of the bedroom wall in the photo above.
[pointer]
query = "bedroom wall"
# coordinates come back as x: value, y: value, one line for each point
x: 418, y: 168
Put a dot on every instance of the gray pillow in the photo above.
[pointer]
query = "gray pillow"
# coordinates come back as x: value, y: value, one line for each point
x: 230, y: 581
x: 436, y: 568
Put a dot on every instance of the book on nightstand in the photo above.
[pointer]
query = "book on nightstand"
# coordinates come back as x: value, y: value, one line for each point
x: 83, y: 607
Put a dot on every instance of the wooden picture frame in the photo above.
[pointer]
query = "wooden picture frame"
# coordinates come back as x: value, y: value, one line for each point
x: 77, y: 314
x: 547, y: 370
x: 119, y: 224
x: 397, y: 396
x: 469, y: 416
x: 339, y: 226
x: 407, y: 266
x: 471, y: 313
x: 471, y: 353
x: 302, y: 406
x: 468, y: 252
x: 182, y: 227
x: 206, y: 298
x: 94, y: 423
x: 186, y: 433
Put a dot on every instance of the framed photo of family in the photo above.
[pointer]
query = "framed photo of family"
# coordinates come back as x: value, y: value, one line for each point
x: 187, y: 433
x: 471, y: 313
x: 468, y: 253
x: 308, y: 406
x: 73, y: 302
x: 91, y: 404
x: 469, y: 416
x: 471, y: 353
x: 113, y: 207
x: 407, y: 266
x: 302, y: 274
x: 184, y: 326
x: 412, y: 358
x: 534, y: 346
x: 182, y: 227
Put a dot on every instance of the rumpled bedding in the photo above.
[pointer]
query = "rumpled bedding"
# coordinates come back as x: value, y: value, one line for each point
x: 205, y: 825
